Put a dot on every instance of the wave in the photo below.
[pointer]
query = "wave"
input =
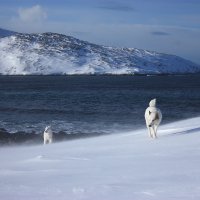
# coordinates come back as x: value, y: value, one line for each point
x: 20, y: 137
x: 34, y: 110
x: 47, y: 111
x: 13, y: 132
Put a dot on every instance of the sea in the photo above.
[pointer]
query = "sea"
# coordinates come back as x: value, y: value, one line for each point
x: 88, y: 105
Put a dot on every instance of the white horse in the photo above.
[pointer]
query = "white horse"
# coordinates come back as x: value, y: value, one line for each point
x: 153, y: 117
x: 48, y: 135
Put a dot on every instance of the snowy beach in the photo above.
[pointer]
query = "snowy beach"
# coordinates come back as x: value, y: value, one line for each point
x: 124, y: 166
x: 100, y: 100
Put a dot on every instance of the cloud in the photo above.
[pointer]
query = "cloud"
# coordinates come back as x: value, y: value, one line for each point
x: 32, y: 14
x: 160, y: 33
x: 29, y: 20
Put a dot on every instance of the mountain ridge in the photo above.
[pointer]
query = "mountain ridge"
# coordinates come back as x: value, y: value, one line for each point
x: 52, y: 53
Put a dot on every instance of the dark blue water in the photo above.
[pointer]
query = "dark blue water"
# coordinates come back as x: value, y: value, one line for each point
x: 93, y: 104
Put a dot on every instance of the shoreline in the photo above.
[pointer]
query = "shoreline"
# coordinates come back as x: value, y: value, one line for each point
x: 71, y: 75
x: 20, y: 137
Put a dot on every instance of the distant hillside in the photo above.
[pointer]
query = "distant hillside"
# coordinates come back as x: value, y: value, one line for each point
x: 52, y: 53
x: 5, y: 33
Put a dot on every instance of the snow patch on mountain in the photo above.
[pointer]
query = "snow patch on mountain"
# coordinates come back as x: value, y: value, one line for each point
x: 52, y: 53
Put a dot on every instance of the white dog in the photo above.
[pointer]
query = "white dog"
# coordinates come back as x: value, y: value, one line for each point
x: 153, y: 117
x: 48, y: 135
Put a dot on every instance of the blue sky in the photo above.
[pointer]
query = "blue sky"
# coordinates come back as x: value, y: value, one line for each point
x: 168, y: 26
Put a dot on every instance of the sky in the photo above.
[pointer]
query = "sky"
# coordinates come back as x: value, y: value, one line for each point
x: 166, y: 26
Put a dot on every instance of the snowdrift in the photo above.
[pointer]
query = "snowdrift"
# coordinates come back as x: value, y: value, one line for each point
x: 120, y: 166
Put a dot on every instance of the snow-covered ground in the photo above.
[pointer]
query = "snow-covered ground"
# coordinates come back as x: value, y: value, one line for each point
x: 126, y: 166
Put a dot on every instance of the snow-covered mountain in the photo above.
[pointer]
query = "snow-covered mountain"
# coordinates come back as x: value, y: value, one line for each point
x: 52, y: 53
x: 5, y: 33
